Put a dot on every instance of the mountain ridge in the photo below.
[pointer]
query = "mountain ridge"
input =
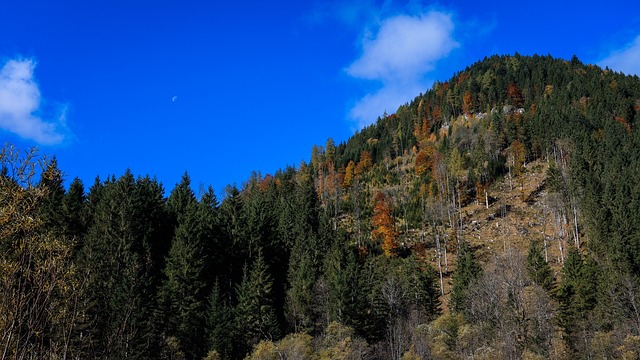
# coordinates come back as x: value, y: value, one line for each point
x: 491, y: 217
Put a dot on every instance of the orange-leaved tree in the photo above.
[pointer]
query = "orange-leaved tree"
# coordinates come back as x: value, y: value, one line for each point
x: 423, y: 162
x: 384, y: 225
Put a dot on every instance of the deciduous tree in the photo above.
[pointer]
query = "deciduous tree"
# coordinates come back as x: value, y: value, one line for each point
x: 383, y: 224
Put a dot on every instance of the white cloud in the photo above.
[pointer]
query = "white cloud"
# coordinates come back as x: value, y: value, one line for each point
x: 399, y: 56
x: 626, y: 60
x: 21, y: 106
x: 386, y: 99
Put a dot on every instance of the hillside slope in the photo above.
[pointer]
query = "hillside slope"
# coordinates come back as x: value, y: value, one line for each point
x: 494, y: 216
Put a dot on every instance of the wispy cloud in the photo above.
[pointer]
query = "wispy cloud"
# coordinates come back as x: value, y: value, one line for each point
x: 398, y: 57
x: 626, y: 60
x: 21, y: 106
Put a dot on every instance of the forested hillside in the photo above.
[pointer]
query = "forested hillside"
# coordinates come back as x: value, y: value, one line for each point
x: 494, y: 216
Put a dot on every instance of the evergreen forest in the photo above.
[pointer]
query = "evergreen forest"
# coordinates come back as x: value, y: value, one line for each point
x: 495, y: 216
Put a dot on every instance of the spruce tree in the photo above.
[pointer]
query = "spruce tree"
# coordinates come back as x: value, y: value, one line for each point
x: 577, y: 295
x: 180, y: 199
x: 255, y: 317
x: 94, y: 197
x: 219, y: 330
x: 351, y: 288
x: 210, y: 233
x: 299, y: 298
x: 51, y: 209
x: 182, y: 296
x: 74, y: 209
x: 539, y: 270
x: 336, y: 279
x: 117, y: 303
x: 467, y: 270
x: 232, y: 228
x: 421, y: 287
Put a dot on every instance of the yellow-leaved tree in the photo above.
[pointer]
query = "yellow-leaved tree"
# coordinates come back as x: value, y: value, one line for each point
x: 38, y: 287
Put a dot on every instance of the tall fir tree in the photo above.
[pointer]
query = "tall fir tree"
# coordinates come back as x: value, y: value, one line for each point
x: 51, y: 209
x: 74, y: 210
x: 255, y: 317
x: 219, y: 324
x: 180, y: 199
x: 467, y: 270
x: 539, y: 270
x: 118, y: 302
x: 232, y: 228
x: 577, y: 296
x: 299, y: 297
x: 182, y: 296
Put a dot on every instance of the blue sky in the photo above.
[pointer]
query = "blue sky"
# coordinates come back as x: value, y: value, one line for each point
x: 220, y: 89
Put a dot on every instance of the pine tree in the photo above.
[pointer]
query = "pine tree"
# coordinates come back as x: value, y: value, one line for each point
x: 74, y: 209
x: 118, y: 301
x: 94, y: 197
x: 255, y: 317
x: 153, y: 227
x: 335, y: 277
x: 182, y: 296
x: 219, y: 324
x: 299, y: 298
x: 577, y: 294
x: 260, y: 223
x: 421, y: 287
x: 51, y: 209
x: 467, y: 270
x: 538, y: 269
x: 210, y: 232
x: 181, y: 198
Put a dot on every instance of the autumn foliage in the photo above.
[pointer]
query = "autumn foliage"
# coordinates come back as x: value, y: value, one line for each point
x: 424, y: 163
x: 349, y: 175
x: 366, y: 162
x: 515, y: 95
x: 517, y: 156
x: 384, y: 225
x: 467, y: 102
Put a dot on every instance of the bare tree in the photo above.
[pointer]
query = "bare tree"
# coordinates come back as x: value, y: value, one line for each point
x: 38, y: 283
x: 513, y: 312
x: 395, y: 298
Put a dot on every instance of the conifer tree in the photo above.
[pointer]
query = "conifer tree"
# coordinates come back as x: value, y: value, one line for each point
x: 335, y: 277
x: 299, y: 298
x: 577, y: 295
x: 182, y: 296
x: 51, y: 208
x: 255, y: 317
x: 421, y: 287
x: 93, y: 199
x: 118, y: 301
x: 153, y: 226
x: 211, y: 235
x: 219, y: 330
x: 538, y: 269
x: 181, y: 198
x: 467, y: 270
x: 351, y: 289
x: 74, y: 209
